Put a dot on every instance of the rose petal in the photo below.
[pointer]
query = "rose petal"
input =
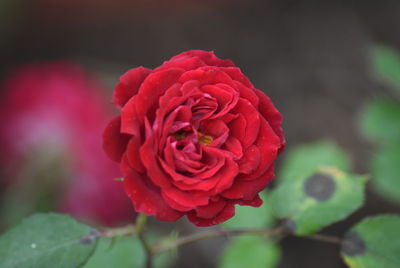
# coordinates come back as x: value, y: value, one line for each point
x: 114, y: 142
x: 214, y: 185
x: 208, y: 57
x: 185, y: 198
x: 247, y: 190
x: 237, y: 127
x: 250, y: 161
x: 148, y: 155
x: 211, y: 210
x: 225, y: 95
x: 247, y: 93
x: 236, y: 74
x: 152, y: 88
x: 256, y: 202
x: 271, y: 114
x: 207, y: 75
x: 268, y: 144
x: 186, y: 63
x: 233, y: 145
x: 252, y: 117
x: 129, y: 85
x: 132, y: 154
x: 130, y: 123
x: 217, y: 129
x: 227, y: 212
x: 147, y: 198
x: 174, y: 204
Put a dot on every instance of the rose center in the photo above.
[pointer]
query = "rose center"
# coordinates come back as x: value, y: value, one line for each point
x: 205, y: 139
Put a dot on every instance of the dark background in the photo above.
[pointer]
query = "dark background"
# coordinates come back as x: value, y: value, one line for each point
x: 311, y: 57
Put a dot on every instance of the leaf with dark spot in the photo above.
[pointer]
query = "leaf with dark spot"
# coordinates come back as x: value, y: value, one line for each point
x: 320, y: 187
x: 373, y: 242
x: 315, y: 200
x: 353, y: 245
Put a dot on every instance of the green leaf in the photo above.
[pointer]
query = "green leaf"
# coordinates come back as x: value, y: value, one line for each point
x: 123, y: 252
x: 47, y: 240
x: 373, y: 242
x: 305, y: 159
x: 252, y: 217
x: 380, y: 121
x: 250, y: 251
x: 314, y: 201
x: 386, y: 170
x: 386, y: 63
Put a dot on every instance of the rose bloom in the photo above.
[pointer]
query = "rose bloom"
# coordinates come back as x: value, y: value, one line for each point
x: 56, y: 111
x: 194, y: 138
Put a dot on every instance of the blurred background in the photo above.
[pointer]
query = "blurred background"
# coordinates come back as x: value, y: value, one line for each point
x: 62, y: 58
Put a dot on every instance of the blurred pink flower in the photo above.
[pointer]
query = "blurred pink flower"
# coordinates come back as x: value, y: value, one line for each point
x: 57, y: 109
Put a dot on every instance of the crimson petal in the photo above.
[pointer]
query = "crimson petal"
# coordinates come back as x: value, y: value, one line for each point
x: 129, y: 85
x: 114, y: 142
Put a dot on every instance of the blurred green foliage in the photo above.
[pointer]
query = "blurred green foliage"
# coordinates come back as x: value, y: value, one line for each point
x: 252, y: 217
x: 372, y: 243
x: 124, y: 252
x: 386, y: 64
x: 47, y: 240
x: 305, y: 159
x: 320, y: 193
x: 380, y: 123
x: 250, y: 252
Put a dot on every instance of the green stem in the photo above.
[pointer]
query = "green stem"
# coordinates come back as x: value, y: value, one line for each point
x: 165, y: 246
x: 140, y: 227
x: 122, y: 231
x: 325, y: 238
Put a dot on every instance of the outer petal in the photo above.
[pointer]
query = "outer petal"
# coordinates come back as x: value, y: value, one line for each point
x: 114, y: 142
x: 271, y: 114
x: 211, y: 210
x: 268, y: 144
x: 227, y: 212
x: 250, y: 161
x: 252, y: 117
x: 145, y: 197
x: 152, y: 88
x: 129, y: 85
x: 208, y: 57
x: 185, y: 63
x: 247, y: 190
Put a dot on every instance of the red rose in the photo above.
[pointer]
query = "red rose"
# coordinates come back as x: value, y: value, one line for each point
x: 194, y: 138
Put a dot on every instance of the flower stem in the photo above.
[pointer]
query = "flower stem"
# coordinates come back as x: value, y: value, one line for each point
x: 325, y: 238
x: 140, y: 227
x: 121, y: 231
x: 165, y: 246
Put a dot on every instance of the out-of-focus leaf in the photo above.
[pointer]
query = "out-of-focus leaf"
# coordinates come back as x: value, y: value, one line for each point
x: 380, y: 121
x: 250, y: 252
x: 314, y: 201
x: 305, y: 159
x: 386, y: 63
x: 35, y: 189
x: 374, y: 242
x: 386, y: 171
x: 123, y: 252
x: 47, y: 240
x: 252, y: 217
